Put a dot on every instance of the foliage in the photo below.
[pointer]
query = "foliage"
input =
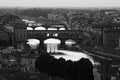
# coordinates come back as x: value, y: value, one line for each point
x: 78, y: 70
x: 8, y: 18
x: 34, y: 12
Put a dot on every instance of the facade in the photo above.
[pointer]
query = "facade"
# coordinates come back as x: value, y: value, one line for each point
x: 109, y: 33
x: 20, y: 35
x: 111, y: 37
x: 56, y: 17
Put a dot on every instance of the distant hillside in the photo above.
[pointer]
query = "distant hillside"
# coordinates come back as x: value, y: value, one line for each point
x: 33, y: 12
x: 26, y: 12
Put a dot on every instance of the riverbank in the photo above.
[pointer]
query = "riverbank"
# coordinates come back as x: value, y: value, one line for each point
x: 101, y: 52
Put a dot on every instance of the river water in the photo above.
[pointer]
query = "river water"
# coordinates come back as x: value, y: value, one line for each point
x: 72, y: 55
x: 52, y: 46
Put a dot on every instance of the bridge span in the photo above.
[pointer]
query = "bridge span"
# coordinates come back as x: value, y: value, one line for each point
x: 60, y: 33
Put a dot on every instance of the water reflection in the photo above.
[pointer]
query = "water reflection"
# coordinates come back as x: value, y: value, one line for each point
x: 33, y: 43
x: 51, y: 48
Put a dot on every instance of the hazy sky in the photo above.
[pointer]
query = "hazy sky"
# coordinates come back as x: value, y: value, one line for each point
x: 59, y: 3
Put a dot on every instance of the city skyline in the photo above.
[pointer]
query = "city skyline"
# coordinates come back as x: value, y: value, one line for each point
x: 60, y: 3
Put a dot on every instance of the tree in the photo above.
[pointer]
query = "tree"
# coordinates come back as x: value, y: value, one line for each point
x: 78, y: 70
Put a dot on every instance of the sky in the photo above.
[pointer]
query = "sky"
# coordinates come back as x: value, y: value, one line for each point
x: 59, y: 3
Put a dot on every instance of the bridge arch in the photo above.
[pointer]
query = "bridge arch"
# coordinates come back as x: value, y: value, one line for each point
x: 40, y: 28
x: 29, y: 28
x: 52, y: 29
x: 70, y: 41
x: 52, y: 44
x: 62, y: 29
x: 33, y: 43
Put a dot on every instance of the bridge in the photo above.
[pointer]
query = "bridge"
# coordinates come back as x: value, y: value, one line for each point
x: 60, y: 33
x: 42, y: 33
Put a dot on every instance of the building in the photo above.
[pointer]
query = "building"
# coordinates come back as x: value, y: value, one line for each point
x: 56, y: 17
x: 29, y: 62
x: 20, y: 34
x: 110, y: 34
x: 111, y: 38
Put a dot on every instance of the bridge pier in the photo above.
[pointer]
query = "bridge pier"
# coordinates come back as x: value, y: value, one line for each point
x: 62, y: 45
x: 41, y: 47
